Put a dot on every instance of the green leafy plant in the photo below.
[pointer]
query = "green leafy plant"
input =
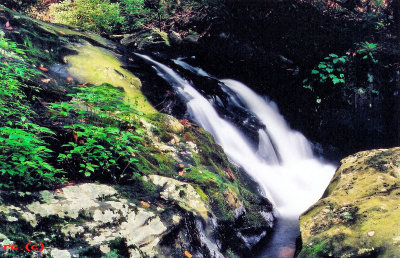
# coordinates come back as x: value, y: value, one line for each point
x: 24, y: 153
x: 368, y: 50
x: 95, y: 15
x: 135, y: 14
x: 105, y: 140
x: 331, y: 69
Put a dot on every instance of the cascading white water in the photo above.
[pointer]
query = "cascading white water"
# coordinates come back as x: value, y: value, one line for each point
x: 291, y: 177
x: 302, y: 177
x: 294, y: 183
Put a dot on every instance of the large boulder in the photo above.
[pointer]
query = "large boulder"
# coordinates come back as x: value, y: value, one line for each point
x: 359, y: 214
x: 95, y: 214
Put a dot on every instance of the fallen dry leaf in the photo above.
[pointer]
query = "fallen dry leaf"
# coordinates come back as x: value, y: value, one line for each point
x: 43, y: 69
x: 181, y: 165
x: 145, y: 204
x: 45, y: 80
x: 187, y: 254
x: 61, y: 32
x: 181, y: 173
x: 83, y: 84
x: 70, y: 79
x: 75, y: 135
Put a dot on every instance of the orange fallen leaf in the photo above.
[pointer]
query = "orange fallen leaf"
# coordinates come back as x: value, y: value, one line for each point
x: 70, y: 79
x: 46, y: 80
x: 75, y: 135
x: 181, y: 173
x: 187, y: 254
x: 43, y: 69
x: 181, y: 165
x: 145, y: 204
x: 131, y: 59
x: 61, y: 32
x: 83, y: 84
x: 7, y: 24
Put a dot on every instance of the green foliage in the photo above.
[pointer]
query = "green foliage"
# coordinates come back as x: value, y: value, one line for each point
x: 118, y: 16
x: 105, y: 142
x: 330, y: 70
x: 368, y: 50
x: 134, y: 13
x: 95, y: 15
x: 318, y: 249
x: 341, y: 72
x: 106, y: 151
x: 24, y: 154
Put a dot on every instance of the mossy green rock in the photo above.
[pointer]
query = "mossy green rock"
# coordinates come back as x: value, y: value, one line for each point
x: 88, y: 58
x: 193, y: 197
x: 359, y: 214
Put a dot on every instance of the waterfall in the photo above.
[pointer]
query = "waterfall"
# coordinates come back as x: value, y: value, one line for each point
x: 291, y: 177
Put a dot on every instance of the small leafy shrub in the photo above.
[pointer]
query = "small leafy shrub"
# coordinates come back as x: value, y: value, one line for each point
x: 105, y: 141
x: 95, y: 15
x: 368, y: 50
x: 339, y: 76
x: 135, y: 15
x: 101, y: 151
x: 24, y: 153
x: 330, y: 70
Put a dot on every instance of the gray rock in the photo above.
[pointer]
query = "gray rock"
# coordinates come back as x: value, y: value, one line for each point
x: 172, y: 124
x: 57, y: 253
x: 182, y: 193
x: 175, y: 38
x: 193, y: 39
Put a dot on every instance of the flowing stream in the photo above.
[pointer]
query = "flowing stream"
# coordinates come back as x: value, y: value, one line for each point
x: 290, y: 176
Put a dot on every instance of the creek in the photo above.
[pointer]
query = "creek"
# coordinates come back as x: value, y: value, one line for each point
x: 256, y: 137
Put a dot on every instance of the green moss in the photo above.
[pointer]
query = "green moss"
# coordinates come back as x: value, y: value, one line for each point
x: 98, y: 65
x: 361, y: 199
x: 317, y: 249
x: 202, y: 195
x: 163, y: 35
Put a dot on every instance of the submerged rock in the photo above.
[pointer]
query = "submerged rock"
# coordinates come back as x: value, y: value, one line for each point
x: 359, y: 213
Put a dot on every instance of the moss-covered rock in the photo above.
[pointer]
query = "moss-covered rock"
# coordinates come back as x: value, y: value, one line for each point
x: 359, y: 213
x: 146, y: 40
x: 193, y: 196
x: 68, y: 53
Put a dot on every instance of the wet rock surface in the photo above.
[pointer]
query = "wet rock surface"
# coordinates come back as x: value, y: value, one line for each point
x: 186, y: 196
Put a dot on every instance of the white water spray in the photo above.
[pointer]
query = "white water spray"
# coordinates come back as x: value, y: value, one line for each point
x: 294, y: 183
